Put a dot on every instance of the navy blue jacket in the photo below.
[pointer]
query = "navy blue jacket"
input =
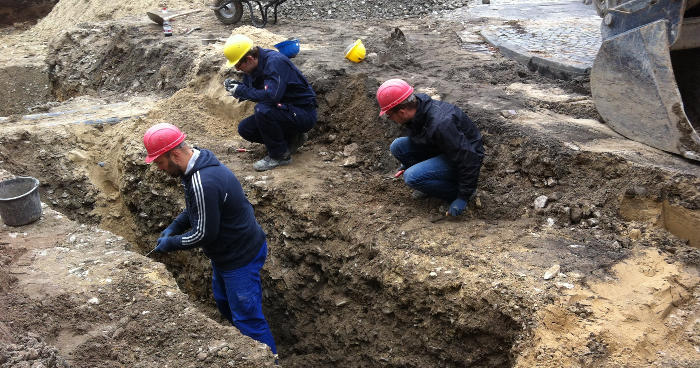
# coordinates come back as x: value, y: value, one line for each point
x: 448, y: 129
x: 218, y: 214
x: 276, y: 80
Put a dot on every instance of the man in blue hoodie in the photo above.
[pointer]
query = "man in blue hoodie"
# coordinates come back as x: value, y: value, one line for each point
x: 286, y: 103
x: 219, y: 219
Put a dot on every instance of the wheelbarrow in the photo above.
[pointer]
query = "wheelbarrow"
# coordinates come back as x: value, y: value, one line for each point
x: 230, y: 11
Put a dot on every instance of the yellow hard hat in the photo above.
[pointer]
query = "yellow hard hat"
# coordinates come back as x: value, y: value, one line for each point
x: 355, y: 52
x: 236, y: 46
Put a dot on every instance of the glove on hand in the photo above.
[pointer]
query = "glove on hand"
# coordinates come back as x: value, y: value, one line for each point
x: 231, y: 85
x: 457, y: 207
x: 166, y: 233
x: 165, y: 244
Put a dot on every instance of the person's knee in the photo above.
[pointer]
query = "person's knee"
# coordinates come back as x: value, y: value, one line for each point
x: 411, y: 177
x: 396, y: 147
x: 242, y: 131
x: 248, y: 304
x: 247, y: 128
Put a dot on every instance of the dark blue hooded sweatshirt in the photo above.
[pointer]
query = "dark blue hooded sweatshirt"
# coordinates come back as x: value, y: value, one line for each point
x: 218, y: 214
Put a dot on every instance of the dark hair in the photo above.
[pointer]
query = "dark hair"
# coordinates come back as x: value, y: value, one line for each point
x: 182, y: 145
x: 410, y: 102
x: 254, y: 52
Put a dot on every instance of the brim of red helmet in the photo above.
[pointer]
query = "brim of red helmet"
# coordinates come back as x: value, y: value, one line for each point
x: 150, y: 159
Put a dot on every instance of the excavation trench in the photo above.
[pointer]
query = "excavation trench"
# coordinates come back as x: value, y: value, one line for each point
x: 358, y: 274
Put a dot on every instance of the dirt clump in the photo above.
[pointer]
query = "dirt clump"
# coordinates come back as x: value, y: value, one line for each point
x: 30, y: 350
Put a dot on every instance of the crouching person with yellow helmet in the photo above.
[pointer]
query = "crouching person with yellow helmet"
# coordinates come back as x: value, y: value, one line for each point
x: 286, y: 103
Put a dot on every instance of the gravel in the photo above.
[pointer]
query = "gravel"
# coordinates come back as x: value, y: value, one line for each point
x: 363, y: 9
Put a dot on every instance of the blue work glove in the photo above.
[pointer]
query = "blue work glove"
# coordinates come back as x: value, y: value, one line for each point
x: 231, y: 85
x: 166, y: 233
x: 457, y: 207
x: 165, y: 244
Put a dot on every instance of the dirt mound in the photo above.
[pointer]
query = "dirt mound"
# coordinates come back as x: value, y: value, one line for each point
x: 68, y: 13
x: 260, y: 36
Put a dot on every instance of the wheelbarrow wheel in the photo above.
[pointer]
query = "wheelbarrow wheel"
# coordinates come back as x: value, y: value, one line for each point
x: 229, y: 12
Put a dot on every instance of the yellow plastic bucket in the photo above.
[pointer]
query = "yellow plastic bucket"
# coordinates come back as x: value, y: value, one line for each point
x: 355, y: 52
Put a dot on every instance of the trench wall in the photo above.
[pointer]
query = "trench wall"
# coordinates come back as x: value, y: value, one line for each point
x: 17, y: 11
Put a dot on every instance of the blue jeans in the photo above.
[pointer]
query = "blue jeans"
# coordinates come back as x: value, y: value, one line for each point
x: 427, y: 170
x: 275, y: 124
x: 238, y: 295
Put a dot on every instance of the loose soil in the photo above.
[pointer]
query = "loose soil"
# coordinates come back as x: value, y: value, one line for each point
x: 358, y: 273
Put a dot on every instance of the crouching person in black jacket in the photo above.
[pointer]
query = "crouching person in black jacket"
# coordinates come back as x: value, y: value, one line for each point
x: 442, y: 155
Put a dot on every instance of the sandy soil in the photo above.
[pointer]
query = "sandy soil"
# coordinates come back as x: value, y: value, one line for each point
x: 359, y: 274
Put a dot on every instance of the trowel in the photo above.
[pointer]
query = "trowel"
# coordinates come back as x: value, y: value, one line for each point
x: 159, y: 19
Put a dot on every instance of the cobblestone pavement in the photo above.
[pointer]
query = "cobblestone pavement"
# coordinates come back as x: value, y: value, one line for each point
x: 559, y: 36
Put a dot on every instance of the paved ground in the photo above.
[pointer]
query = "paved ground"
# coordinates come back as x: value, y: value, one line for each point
x: 559, y: 37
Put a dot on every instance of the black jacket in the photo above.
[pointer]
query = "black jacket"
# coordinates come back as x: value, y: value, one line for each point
x: 448, y: 129
x: 218, y: 215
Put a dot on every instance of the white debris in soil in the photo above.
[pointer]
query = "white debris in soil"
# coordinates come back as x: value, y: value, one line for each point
x: 551, y: 272
x: 350, y: 149
x: 541, y: 201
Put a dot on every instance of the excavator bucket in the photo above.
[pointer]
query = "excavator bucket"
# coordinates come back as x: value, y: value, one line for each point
x: 645, y: 80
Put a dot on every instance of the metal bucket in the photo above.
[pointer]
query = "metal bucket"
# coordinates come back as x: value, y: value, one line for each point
x: 19, y: 201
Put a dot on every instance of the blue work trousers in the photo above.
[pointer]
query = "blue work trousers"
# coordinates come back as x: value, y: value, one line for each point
x: 238, y: 295
x: 275, y: 125
x: 428, y: 170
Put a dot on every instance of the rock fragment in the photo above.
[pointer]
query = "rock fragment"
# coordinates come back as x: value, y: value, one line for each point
x: 551, y: 272
x: 350, y: 149
x: 541, y: 201
x: 635, y: 234
x: 350, y: 161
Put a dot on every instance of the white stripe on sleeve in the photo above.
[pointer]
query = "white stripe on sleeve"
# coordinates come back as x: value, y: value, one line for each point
x: 198, y: 233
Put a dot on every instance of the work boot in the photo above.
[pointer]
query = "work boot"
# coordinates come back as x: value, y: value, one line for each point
x: 417, y: 194
x: 297, y: 141
x: 268, y: 163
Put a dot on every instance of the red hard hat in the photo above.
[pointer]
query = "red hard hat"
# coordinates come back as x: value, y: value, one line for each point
x: 392, y: 93
x: 160, y: 139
